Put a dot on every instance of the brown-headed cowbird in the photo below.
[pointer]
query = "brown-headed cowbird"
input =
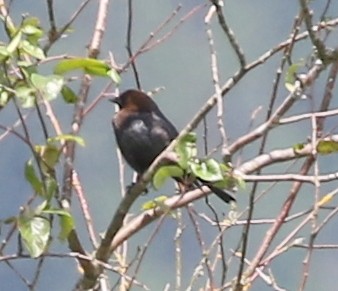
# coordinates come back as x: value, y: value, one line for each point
x: 143, y: 132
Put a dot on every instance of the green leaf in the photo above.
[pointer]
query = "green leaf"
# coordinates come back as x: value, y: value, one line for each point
x: 14, y: 43
x: 227, y: 183
x: 190, y: 137
x: 326, y: 147
x: 230, y: 179
x: 4, y: 52
x: 298, y: 147
x: 165, y: 172
x: 325, y: 200
x: 26, y: 64
x: 96, y: 70
x: 40, y: 208
x: 56, y: 211
x: 35, y: 232
x: 68, y: 65
x: 240, y: 182
x: 68, y: 95
x: 33, y: 39
x: 88, y: 65
x: 27, y: 70
x: 66, y: 221
x: 67, y: 225
x: 226, y: 168
x: 32, y: 30
x: 114, y: 75
x: 209, y: 170
x: 31, y: 20
x: 8, y: 25
x: 223, y: 184
x: 68, y: 137
x: 49, y: 86
x: 32, y: 50
x: 51, y: 186
x: 157, y: 202
x: 32, y: 178
x: 4, y: 98
x: 186, y: 149
x: 290, y: 76
x: 49, y: 155
x: 25, y: 96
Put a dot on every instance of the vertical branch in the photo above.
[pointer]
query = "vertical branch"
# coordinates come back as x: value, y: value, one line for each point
x: 52, y: 22
x: 178, y: 250
x: 277, y: 224
x: 218, y: 4
x: 55, y: 35
x: 193, y: 218
x: 317, y: 127
x: 78, y: 115
x: 37, y: 274
x: 85, y: 209
x: 306, y: 262
x: 296, y: 185
x: 70, y: 146
x: 321, y: 49
x: 129, y: 49
x: 215, y: 78
x: 144, y: 250
x: 89, y: 268
x: 246, y: 229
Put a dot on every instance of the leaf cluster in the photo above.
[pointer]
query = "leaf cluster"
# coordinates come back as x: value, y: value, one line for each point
x: 191, y: 167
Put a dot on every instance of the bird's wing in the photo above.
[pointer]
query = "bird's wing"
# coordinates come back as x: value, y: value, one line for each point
x: 163, y: 127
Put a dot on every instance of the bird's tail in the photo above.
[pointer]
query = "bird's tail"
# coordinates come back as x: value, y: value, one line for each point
x: 226, y: 196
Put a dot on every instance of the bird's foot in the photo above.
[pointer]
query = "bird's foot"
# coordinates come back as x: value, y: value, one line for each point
x: 129, y: 187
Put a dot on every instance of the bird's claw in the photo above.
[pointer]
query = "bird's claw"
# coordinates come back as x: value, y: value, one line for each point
x: 129, y: 187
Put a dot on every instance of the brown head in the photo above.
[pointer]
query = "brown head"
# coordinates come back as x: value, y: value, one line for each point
x: 135, y: 100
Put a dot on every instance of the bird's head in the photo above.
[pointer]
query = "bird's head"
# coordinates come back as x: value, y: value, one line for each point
x: 134, y: 100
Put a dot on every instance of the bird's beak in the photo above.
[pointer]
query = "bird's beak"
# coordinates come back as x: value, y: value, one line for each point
x: 115, y: 100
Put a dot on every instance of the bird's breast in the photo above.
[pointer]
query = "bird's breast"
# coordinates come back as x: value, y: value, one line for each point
x: 138, y: 127
x: 141, y: 139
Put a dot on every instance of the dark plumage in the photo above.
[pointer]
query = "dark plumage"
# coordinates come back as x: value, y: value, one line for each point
x: 143, y: 132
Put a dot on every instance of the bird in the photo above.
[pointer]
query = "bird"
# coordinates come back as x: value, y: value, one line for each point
x: 142, y: 132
